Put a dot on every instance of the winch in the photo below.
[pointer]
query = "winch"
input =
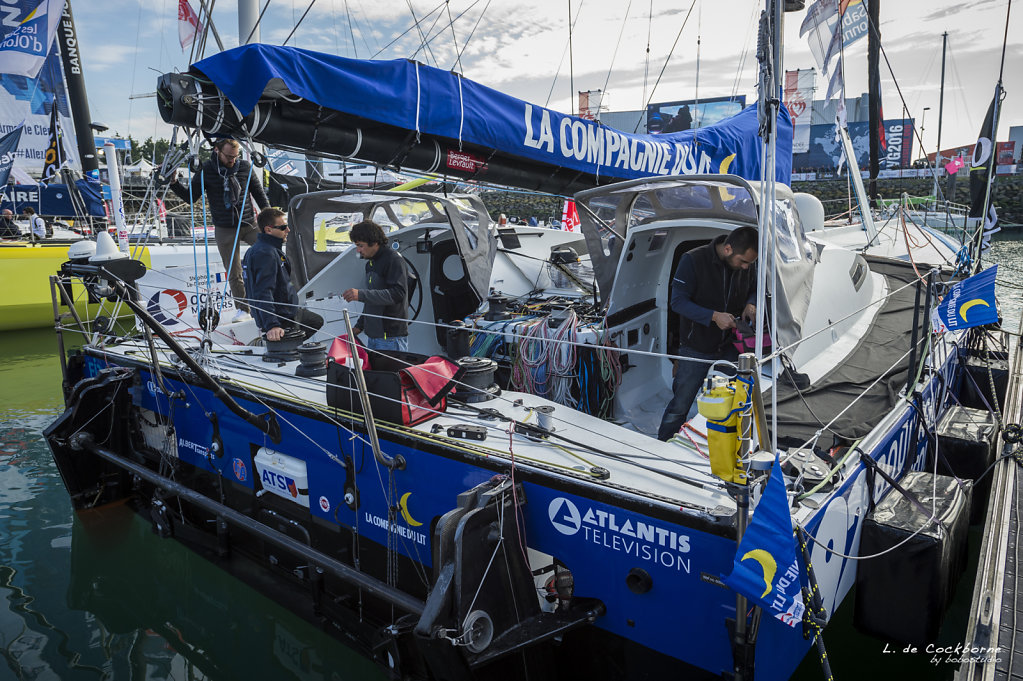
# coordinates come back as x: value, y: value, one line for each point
x: 477, y: 384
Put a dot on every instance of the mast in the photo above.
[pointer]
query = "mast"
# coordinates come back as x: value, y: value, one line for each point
x: 873, y: 69
x: 941, y: 111
x: 72, y: 62
x: 248, y: 22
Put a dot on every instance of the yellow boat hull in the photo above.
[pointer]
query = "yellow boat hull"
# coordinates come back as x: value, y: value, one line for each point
x: 25, y: 270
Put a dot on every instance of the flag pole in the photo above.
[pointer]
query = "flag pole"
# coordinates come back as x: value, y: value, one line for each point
x: 993, y: 167
x: 743, y: 644
x: 994, y: 145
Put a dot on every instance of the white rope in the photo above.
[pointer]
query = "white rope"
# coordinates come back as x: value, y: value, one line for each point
x: 461, y: 110
x: 418, y: 101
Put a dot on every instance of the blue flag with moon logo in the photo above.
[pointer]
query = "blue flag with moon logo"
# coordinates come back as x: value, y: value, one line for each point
x: 765, y: 570
x: 970, y: 302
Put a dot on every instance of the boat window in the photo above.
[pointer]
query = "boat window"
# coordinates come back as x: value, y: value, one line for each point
x: 405, y: 213
x: 605, y: 208
x: 692, y: 199
x: 330, y: 230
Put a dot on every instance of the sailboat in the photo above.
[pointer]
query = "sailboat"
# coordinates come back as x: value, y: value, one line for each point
x: 173, y: 270
x: 447, y: 525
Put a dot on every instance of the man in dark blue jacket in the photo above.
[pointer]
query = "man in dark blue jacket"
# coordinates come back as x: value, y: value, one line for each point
x: 385, y: 293
x: 713, y: 285
x: 272, y: 298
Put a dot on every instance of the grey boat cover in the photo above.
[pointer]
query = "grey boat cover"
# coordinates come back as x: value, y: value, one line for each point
x: 801, y: 413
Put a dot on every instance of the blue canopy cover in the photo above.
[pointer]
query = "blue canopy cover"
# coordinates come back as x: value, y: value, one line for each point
x: 431, y: 101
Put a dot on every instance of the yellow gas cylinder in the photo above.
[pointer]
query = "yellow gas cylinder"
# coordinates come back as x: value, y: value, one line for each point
x: 720, y: 402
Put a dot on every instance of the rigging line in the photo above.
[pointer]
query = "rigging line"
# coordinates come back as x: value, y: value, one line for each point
x: 1005, y: 41
x: 750, y: 27
x: 571, y: 60
x: 962, y: 105
x: 666, y: 60
x: 238, y: 228
x: 429, y: 40
x: 635, y: 351
x: 352, y: 21
x: 402, y: 34
x: 134, y: 67
x: 351, y: 30
x: 255, y: 26
x: 835, y: 552
x: 209, y: 27
x: 440, y: 31
x: 562, y: 60
x: 422, y: 36
x: 827, y: 426
x: 624, y: 458
x: 902, y: 98
x: 646, y: 63
x: 699, y: 28
x: 872, y: 303
x: 299, y: 22
x: 613, y: 57
x: 474, y: 26
x: 454, y: 38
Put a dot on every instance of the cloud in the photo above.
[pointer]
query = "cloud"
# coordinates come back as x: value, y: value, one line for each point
x: 102, y: 57
x: 956, y: 9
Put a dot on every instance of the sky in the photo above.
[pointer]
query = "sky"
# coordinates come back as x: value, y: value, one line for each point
x: 696, y: 48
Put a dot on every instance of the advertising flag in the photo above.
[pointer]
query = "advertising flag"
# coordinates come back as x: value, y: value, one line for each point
x: 8, y: 152
x: 799, y: 101
x: 188, y: 24
x: 983, y: 161
x: 570, y: 217
x: 765, y: 569
x: 23, y: 49
x: 53, y: 160
x: 970, y: 302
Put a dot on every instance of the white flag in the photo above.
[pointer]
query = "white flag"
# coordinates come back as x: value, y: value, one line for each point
x: 188, y: 23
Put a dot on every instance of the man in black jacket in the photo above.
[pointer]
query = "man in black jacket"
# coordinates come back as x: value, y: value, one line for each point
x: 385, y: 294
x: 272, y: 296
x: 713, y: 285
x: 225, y: 176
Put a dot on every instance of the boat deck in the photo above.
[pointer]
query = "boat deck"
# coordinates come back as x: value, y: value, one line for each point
x: 994, y: 637
x: 583, y: 446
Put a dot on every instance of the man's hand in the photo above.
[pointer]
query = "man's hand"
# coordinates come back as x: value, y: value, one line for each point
x: 275, y: 334
x: 750, y: 313
x: 723, y: 320
x: 350, y: 295
x: 357, y: 331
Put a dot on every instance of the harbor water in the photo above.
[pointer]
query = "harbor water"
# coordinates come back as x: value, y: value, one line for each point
x: 99, y: 596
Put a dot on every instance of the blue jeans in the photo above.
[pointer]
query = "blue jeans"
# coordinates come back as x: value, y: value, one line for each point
x: 688, y: 379
x: 397, y: 343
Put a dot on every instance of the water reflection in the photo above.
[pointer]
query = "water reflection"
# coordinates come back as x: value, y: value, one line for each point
x: 162, y: 612
x: 101, y: 597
